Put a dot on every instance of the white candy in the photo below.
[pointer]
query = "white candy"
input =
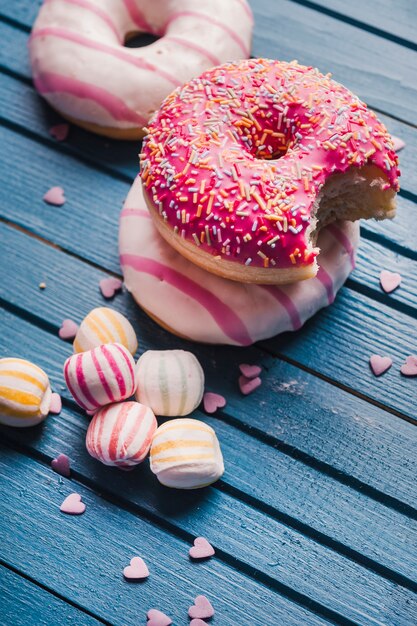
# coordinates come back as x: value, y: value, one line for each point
x: 103, y: 325
x: 25, y: 393
x: 185, y: 454
x: 171, y: 382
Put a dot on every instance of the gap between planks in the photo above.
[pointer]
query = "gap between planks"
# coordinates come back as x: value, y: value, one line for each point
x: 274, y: 442
x: 252, y: 572
x: 80, y: 608
x: 36, y: 320
x: 316, y: 536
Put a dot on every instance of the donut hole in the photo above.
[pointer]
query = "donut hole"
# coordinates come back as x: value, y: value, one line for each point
x: 138, y: 39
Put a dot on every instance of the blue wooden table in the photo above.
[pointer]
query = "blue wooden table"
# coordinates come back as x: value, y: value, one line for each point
x: 314, y: 521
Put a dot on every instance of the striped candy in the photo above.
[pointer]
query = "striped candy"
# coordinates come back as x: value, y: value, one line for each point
x: 185, y: 454
x: 171, y: 382
x: 103, y: 325
x: 100, y: 376
x: 121, y: 434
x: 25, y: 393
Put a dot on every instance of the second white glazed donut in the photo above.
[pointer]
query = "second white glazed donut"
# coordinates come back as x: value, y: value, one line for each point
x: 83, y: 69
x: 201, y: 306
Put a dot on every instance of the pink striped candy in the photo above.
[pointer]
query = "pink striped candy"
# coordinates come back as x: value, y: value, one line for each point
x: 100, y: 376
x: 121, y: 434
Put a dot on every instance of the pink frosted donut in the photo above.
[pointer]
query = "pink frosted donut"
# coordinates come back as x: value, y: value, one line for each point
x: 82, y: 67
x: 121, y: 434
x: 198, y: 305
x: 100, y: 376
x: 243, y: 165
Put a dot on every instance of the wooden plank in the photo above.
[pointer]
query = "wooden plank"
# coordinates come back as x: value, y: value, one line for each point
x: 283, y: 487
x: 395, y: 18
x: 347, y: 592
x: 77, y: 552
x: 360, y: 524
x: 374, y: 448
x: 24, y: 603
x: 382, y: 72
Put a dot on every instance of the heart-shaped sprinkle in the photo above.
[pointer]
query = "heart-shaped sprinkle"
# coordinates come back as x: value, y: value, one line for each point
x: 201, y: 549
x: 399, y: 144
x: 59, y: 132
x: 72, y: 505
x: 68, y: 329
x: 56, y: 404
x: 250, y: 371
x: 389, y: 280
x: 213, y: 401
x: 201, y: 608
x: 157, y: 618
x: 109, y: 286
x: 409, y: 368
x: 61, y: 465
x: 247, y: 385
x: 198, y: 622
x: 137, y: 570
x: 379, y: 364
x: 55, y: 196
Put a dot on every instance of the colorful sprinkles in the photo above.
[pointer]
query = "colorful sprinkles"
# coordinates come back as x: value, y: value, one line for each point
x: 209, y: 162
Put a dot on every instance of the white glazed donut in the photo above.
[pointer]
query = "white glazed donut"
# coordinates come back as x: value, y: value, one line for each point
x: 185, y: 454
x: 171, y: 382
x: 82, y: 68
x: 201, y: 306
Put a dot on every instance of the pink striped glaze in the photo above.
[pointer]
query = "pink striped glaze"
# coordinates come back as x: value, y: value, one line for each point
x: 227, y: 319
x: 119, y: 53
x: 138, y: 17
x: 170, y: 287
x: 120, y: 434
x: 193, y: 46
x: 212, y: 20
x: 97, y: 11
x: 47, y: 83
x: 100, y: 376
x: 82, y: 67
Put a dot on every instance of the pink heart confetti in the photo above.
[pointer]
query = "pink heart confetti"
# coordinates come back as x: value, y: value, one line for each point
x: 198, y: 622
x: 157, y: 618
x: 201, y: 608
x: 72, y: 505
x: 109, y: 286
x: 399, y: 144
x: 61, y: 465
x: 380, y: 364
x: 59, y: 132
x: 409, y: 368
x: 55, y: 196
x: 56, y: 404
x: 248, y: 385
x: 137, y: 570
x: 201, y: 549
x: 213, y: 401
x: 250, y: 371
x: 389, y: 280
x: 68, y: 329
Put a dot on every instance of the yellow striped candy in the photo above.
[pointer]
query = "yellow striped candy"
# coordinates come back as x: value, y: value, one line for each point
x: 25, y: 393
x: 185, y: 454
x: 103, y: 325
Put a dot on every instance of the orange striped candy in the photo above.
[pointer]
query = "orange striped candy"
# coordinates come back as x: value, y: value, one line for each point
x: 25, y: 393
x: 185, y: 454
x: 104, y: 325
